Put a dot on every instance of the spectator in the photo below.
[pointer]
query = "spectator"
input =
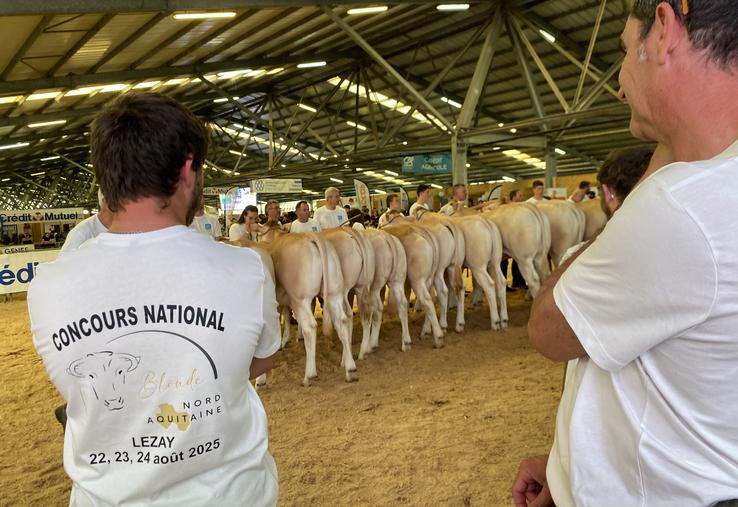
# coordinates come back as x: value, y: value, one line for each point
x: 331, y: 216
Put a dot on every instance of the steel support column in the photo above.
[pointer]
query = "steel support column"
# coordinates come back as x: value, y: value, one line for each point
x: 551, y: 159
x: 459, y: 173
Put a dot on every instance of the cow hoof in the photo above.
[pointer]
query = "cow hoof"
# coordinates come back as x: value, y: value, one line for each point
x: 459, y: 328
x: 362, y: 356
x: 496, y: 326
x: 439, y: 344
x: 306, y: 382
x: 503, y: 325
x: 261, y: 386
x: 352, y: 376
x: 406, y: 346
x: 375, y: 348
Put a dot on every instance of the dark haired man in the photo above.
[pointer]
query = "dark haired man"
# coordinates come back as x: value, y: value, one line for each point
x: 649, y: 306
x: 422, y: 200
x: 393, y: 204
x: 581, y: 192
x: 304, y: 223
x: 537, y: 192
x: 516, y: 196
x: 152, y: 348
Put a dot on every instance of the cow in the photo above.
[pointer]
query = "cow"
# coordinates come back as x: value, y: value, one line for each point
x: 306, y: 266
x: 595, y: 218
x: 421, y: 251
x: 356, y: 258
x: 526, y: 237
x: 390, y: 270
x: 567, y: 226
x: 106, y: 373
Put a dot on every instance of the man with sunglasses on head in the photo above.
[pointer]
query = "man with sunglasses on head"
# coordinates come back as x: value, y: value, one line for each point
x: 650, y: 308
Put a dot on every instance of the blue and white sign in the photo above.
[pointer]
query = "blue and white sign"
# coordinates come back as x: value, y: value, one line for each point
x: 18, y: 269
x: 437, y: 163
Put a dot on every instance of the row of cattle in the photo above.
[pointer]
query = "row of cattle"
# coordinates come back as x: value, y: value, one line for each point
x: 425, y: 253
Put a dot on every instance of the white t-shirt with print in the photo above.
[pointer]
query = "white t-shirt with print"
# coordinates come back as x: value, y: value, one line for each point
x: 86, y: 229
x: 649, y: 417
x: 311, y: 225
x: 330, y: 219
x: 152, y: 357
x: 207, y: 224
x: 415, y: 206
x: 533, y: 200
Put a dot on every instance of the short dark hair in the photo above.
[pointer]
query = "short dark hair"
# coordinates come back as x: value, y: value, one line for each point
x: 513, y: 193
x: 537, y: 183
x: 390, y: 198
x: 250, y: 208
x: 139, y: 144
x: 712, y: 25
x: 623, y: 168
x: 422, y: 188
x: 346, y: 207
x: 356, y: 216
x: 300, y: 203
x: 584, y: 184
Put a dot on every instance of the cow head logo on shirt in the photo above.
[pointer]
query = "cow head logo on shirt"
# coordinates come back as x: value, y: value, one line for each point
x: 106, y: 373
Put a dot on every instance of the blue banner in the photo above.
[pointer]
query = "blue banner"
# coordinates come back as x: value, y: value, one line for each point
x: 437, y: 163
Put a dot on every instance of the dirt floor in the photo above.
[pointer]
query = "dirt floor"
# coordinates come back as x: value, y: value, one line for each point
x: 425, y: 427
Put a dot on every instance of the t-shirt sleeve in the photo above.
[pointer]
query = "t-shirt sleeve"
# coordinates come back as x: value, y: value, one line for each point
x: 233, y: 232
x: 270, y: 338
x: 648, y: 277
x: 218, y: 229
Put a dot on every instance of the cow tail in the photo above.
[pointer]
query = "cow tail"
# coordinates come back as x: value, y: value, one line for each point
x: 320, y: 244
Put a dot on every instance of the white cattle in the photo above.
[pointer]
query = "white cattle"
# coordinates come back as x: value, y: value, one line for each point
x: 390, y: 270
x: 567, y: 226
x: 356, y: 257
x: 526, y: 237
x: 595, y: 218
x: 421, y: 250
x: 306, y: 266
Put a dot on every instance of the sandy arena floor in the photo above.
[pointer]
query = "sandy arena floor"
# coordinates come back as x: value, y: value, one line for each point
x: 426, y: 427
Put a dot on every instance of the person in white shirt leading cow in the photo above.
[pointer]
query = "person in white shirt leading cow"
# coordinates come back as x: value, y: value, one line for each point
x: 304, y: 223
x: 143, y: 330
x: 537, y: 193
x: 422, y: 200
x: 89, y: 227
x: 331, y: 215
x: 458, y: 201
x: 393, y: 205
x: 650, y: 307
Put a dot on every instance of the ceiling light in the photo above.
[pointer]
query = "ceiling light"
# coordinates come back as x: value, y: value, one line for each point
x: 468, y: 165
x: 336, y: 180
x: 234, y: 152
x: 11, y: 146
x: 308, y: 65
x: 435, y: 186
x: 204, y: 15
x: 451, y: 102
x: 307, y: 108
x: 357, y: 125
x: 508, y: 179
x: 404, y: 143
x: 10, y: 100
x: 513, y: 130
x: 367, y: 10
x: 46, y: 123
x: 6, y: 179
x: 550, y: 38
x: 283, y: 165
x: 500, y: 124
x: 379, y: 192
x: 50, y: 158
x: 496, y: 148
x: 275, y: 71
x: 560, y: 151
x: 452, y: 7
x: 147, y: 84
x: 38, y: 173
x: 391, y: 173
x: 223, y: 99
x: 176, y: 81
x: 43, y: 96
x: 232, y: 73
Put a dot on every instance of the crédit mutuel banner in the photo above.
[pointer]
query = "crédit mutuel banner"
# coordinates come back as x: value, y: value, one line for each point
x: 40, y: 215
x: 18, y: 269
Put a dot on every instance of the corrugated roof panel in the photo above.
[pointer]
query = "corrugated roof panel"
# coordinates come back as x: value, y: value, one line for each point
x: 13, y: 33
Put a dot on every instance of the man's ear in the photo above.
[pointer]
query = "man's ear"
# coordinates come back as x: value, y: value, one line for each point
x: 187, y: 174
x: 668, y: 32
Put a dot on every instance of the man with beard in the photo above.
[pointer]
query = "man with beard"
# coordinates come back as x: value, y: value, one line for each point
x: 144, y: 333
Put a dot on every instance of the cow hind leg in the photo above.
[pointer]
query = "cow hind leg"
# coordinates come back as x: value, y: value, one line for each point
x: 487, y: 285
x: 309, y: 329
x: 366, y: 312
x: 343, y: 322
x: 501, y: 288
x: 530, y: 275
x: 426, y: 302
x: 442, y: 293
x: 402, y: 308
x: 377, y: 315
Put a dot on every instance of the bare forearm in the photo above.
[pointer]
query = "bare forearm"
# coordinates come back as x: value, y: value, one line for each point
x: 261, y: 365
x: 549, y: 332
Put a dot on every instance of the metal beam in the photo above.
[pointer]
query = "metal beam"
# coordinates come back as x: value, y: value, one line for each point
x: 75, y: 80
x: 590, y: 49
x: 386, y: 66
x: 25, y: 47
x: 80, y: 43
x: 129, y: 40
x: 535, y: 98
x: 478, y: 80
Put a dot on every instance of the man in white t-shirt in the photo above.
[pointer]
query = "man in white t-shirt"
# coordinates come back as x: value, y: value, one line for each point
x: 537, y: 193
x: 143, y: 330
x: 649, y: 307
x: 304, y: 223
x: 581, y: 193
x: 206, y: 223
x: 89, y: 227
x: 331, y: 215
x: 422, y: 200
x: 458, y: 201
x: 393, y: 205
